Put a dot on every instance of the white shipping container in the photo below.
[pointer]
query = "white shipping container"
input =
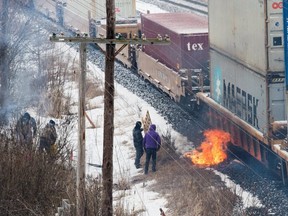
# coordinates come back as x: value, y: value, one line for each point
x: 240, y: 90
x: 123, y: 9
x: 250, y: 31
x: 76, y: 13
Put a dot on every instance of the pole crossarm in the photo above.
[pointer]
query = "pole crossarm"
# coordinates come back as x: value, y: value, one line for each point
x: 120, y: 49
x: 146, y: 41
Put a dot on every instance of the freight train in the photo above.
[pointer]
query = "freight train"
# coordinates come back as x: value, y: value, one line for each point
x: 236, y: 73
x: 247, y: 74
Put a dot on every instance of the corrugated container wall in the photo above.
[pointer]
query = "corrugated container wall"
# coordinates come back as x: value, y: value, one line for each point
x: 249, y: 31
x: 123, y: 8
x: 240, y: 90
x: 189, y: 46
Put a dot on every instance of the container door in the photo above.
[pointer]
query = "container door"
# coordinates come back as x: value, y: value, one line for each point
x: 275, y: 36
x: 277, y: 100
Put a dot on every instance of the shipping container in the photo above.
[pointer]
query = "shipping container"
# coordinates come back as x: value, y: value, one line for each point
x: 85, y: 10
x: 123, y: 8
x: 240, y: 90
x: 69, y: 10
x: 250, y: 31
x: 97, y: 9
x: 256, y: 99
x: 188, y: 33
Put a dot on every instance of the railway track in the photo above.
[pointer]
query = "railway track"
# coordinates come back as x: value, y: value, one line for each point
x: 178, y: 6
x: 194, y: 6
x: 270, y: 192
x: 268, y: 189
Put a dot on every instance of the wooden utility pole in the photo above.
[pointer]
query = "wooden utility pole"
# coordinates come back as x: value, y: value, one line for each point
x: 110, y: 41
x: 107, y: 164
x: 81, y: 174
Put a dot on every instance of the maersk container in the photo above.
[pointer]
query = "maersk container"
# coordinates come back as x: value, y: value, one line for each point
x: 188, y: 33
x: 250, y: 31
x: 256, y: 99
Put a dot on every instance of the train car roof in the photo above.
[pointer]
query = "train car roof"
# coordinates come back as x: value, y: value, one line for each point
x: 181, y: 23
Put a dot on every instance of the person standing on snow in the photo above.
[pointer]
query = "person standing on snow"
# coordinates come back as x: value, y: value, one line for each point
x: 48, y: 137
x: 26, y: 130
x: 138, y: 143
x: 151, y: 143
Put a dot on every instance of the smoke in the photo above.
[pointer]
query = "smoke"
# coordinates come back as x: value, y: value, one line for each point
x: 26, y: 42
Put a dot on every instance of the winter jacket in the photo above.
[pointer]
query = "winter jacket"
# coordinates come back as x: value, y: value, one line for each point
x: 152, y: 139
x: 26, y: 129
x: 49, y: 134
x: 137, y: 136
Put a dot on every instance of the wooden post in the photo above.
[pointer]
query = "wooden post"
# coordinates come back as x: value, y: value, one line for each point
x: 81, y: 138
x: 107, y: 170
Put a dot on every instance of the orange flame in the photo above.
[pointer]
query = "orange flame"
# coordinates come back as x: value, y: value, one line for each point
x: 212, y: 150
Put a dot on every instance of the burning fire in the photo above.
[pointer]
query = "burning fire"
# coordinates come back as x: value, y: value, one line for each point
x: 212, y: 150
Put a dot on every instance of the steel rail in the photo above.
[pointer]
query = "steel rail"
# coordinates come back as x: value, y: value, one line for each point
x: 189, y: 7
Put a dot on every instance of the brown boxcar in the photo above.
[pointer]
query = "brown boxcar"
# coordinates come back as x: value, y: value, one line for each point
x: 189, y: 39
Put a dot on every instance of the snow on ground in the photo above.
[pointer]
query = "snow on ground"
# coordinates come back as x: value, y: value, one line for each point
x: 128, y: 109
x: 248, y: 199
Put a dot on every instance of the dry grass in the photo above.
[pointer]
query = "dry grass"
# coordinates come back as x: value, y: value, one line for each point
x: 189, y: 190
x: 94, y: 189
x: 32, y: 183
x: 122, y: 184
x: 193, y: 191
x: 120, y: 210
x: 93, y: 89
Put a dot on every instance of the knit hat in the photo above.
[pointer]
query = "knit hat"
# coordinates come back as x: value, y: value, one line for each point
x: 52, y: 122
x: 26, y: 116
x: 138, y: 124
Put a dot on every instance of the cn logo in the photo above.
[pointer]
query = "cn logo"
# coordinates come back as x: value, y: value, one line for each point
x: 277, y: 5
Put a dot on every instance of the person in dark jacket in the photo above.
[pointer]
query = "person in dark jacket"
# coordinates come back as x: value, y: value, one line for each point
x: 26, y: 130
x: 138, y: 143
x: 152, y: 143
x: 48, y: 137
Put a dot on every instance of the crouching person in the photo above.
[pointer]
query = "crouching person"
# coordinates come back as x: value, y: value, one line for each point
x: 48, y: 138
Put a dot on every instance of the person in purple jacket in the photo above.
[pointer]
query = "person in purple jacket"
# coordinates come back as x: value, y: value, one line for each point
x: 151, y: 143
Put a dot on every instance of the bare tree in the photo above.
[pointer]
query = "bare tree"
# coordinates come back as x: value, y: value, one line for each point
x: 22, y: 40
x: 3, y: 55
